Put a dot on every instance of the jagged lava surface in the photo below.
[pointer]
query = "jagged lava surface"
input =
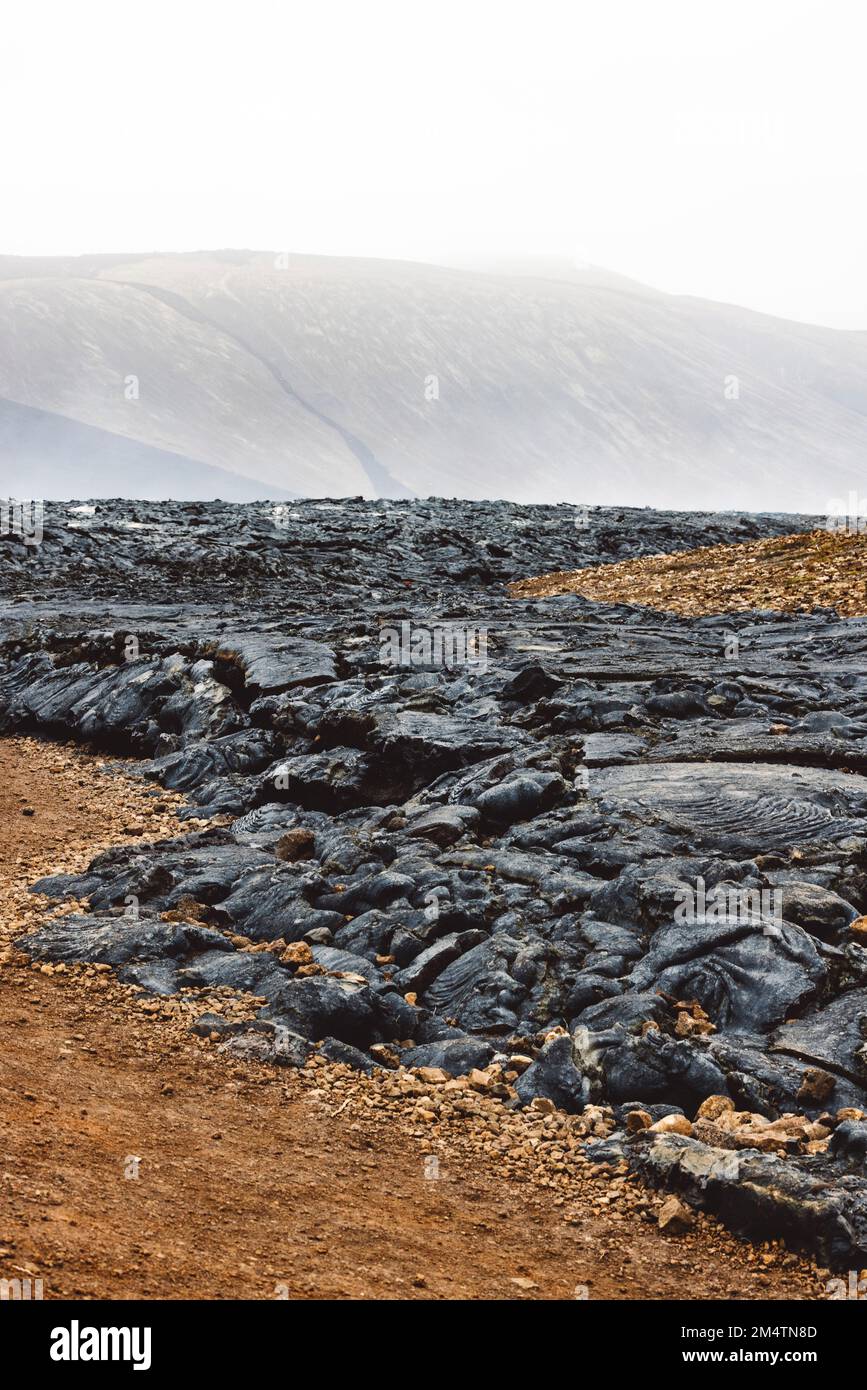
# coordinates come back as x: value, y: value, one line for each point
x: 462, y: 864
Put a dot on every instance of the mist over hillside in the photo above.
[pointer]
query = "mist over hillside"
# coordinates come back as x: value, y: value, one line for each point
x: 48, y: 453
x: 316, y: 376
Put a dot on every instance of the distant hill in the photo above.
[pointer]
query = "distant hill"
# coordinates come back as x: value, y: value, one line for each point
x: 332, y: 377
x: 51, y: 456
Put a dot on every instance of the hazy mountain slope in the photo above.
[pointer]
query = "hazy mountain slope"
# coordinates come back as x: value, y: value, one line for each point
x: 574, y: 272
x: 71, y: 345
x: 321, y: 375
x: 42, y: 454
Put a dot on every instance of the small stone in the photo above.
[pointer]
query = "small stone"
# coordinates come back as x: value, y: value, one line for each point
x: 675, y: 1218
x: 298, y: 954
x: 816, y: 1146
x: 187, y: 910
x: 543, y: 1106
x: 713, y: 1107
x: 480, y: 1080
x: 849, y: 1112
x: 519, y: 1062
x: 522, y: 1283
x: 816, y: 1086
x: 295, y: 845
x: 638, y: 1120
x: 433, y: 1076
x: 672, y: 1124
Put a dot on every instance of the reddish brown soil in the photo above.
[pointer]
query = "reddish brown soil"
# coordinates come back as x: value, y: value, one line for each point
x: 819, y: 569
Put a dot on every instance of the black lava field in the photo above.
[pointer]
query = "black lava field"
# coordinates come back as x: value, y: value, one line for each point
x: 530, y: 838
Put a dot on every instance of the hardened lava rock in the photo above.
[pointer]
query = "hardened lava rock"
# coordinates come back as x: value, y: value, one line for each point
x: 625, y: 847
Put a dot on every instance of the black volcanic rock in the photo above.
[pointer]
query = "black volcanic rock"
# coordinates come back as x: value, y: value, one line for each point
x: 606, y: 826
x: 555, y: 1077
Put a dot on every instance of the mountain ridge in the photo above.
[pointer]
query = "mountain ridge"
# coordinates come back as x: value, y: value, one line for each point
x: 341, y: 377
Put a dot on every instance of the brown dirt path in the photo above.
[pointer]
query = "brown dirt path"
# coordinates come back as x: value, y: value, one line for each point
x: 249, y: 1185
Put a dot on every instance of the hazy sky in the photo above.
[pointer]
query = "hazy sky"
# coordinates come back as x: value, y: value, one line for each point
x: 715, y: 149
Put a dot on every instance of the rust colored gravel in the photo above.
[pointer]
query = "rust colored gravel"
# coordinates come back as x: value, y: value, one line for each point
x: 819, y: 569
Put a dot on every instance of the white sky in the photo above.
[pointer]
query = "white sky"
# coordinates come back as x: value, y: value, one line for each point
x: 715, y: 149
